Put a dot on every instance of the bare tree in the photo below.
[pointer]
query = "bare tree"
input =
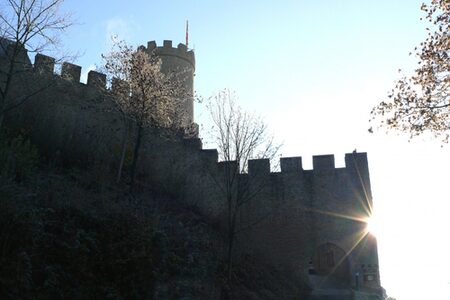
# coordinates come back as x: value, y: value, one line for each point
x: 145, y: 96
x: 35, y: 25
x: 239, y: 137
x: 421, y: 103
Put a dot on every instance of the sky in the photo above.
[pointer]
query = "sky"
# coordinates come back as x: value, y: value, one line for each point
x: 314, y: 69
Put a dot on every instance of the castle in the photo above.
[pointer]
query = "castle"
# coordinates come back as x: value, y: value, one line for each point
x: 313, y: 218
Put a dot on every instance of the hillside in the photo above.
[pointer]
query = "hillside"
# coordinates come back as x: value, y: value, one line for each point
x: 69, y: 233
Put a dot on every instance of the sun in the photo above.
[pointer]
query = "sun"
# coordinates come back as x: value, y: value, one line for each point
x: 373, y: 225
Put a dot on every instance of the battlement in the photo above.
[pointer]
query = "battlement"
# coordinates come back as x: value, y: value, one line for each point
x: 45, y: 65
x: 293, y: 165
x: 323, y: 162
x: 178, y: 61
x: 181, y: 51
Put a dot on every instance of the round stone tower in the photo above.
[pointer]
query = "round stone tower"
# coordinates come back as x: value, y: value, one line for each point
x: 181, y: 62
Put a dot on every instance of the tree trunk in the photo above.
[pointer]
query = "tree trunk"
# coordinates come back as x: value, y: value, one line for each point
x: 124, y: 150
x: 230, y: 255
x: 231, y: 238
x: 137, y: 145
x: 1, y: 121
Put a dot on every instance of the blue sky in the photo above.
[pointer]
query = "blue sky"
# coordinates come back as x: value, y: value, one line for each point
x: 314, y: 69
x: 293, y: 57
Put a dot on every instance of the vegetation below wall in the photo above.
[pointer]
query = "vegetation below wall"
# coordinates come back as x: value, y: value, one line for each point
x: 65, y: 234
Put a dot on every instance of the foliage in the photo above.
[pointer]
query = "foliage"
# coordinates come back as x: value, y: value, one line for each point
x: 61, y: 241
x: 141, y: 90
x: 62, y: 252
x: 18, y: 158
x: 239, y: 136
x: 421, y: 103
x: 144, y: 95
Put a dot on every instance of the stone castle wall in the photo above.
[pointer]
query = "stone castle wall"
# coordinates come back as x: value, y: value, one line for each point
x: 292, y: 214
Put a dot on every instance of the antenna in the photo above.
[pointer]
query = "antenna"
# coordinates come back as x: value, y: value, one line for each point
x: 187, y: 33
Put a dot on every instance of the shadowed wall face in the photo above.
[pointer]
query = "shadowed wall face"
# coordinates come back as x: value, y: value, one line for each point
x: 331, y: 261
x: 314, y: 221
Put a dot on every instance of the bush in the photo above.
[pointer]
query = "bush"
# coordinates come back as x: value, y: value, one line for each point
x: 61, y: 239
x: 19, y: 158
x: 62, y: 251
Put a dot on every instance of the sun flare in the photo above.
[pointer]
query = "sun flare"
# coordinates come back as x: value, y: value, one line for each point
x: 373, y: 225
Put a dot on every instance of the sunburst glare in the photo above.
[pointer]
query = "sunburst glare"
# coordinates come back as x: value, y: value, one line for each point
x: 373, y: 225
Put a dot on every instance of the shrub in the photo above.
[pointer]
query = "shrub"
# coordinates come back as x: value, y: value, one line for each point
x: 18, y: 158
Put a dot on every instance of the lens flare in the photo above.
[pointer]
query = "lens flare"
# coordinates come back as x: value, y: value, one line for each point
x: 373, y: 225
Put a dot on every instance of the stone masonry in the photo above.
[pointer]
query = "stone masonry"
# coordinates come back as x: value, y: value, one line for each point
x: 310, y: 221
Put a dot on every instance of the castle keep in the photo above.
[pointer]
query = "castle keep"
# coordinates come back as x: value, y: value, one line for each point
x: 313, y: 219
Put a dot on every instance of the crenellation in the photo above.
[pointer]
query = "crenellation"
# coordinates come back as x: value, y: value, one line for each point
x: 258, y: 167
x: 357, y: 167
x: 151, y: 45
x: 355, y: 160
x: 44, y: 64
x: 167, y: 44
x: 182, y: 47
x: 20, y: 58
x: 96, y: 79
x: 210, y: 155
x: 230, y: 167
x: 167, y: 49
x: 71, y: 72
x: 194, y: 143
x: 209, y: 161
x: 291, y: 164
x: 6, y: 46
x: 323, y: 162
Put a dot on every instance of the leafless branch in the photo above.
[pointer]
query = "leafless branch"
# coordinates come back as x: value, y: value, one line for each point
x: 34, y: 25
x: 239, y: 137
